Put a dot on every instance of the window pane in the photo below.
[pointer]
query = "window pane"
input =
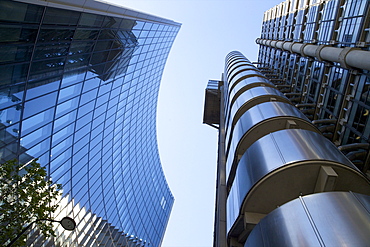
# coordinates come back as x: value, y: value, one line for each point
x: 60, y: 16
x: 39, y: 104
x: 37, y: 121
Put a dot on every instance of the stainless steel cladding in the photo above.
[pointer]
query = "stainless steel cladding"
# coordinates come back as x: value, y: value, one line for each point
x: 325, y: 219
x: 275, y: 155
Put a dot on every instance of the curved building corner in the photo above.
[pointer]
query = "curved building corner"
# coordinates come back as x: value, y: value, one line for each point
x: 79, y: 91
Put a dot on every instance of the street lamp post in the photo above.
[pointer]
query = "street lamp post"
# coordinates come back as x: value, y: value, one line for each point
x: 67, y: 223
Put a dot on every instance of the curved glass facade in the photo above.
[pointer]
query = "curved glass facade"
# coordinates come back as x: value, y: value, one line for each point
x: 79, y: 91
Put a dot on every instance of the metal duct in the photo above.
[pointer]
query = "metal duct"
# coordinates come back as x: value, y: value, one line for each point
x: 348, y: 57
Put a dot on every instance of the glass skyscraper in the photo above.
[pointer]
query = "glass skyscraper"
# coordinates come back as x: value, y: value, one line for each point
x: 293, y: 158
x: 78, y: 90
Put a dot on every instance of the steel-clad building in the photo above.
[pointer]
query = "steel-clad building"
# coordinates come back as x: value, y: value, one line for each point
x: 293, y: 159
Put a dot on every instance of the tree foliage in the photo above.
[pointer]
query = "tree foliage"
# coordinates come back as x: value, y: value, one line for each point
x: 26, y: 194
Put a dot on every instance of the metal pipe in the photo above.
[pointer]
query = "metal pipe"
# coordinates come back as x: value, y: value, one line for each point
x: 279, y: 44
x: 309, y: 50
x: 358, y: 58
x: 323, y: 121
x: 327, y: 128
x: 331, y: 54
x: 305, y: 105
x: 286, y: 45
x: 356, y: 155
x: 347, y: 57
x: 296, y: 47
x: 353, y: 146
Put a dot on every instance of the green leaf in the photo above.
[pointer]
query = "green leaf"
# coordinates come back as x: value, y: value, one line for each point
x: 26, y: 194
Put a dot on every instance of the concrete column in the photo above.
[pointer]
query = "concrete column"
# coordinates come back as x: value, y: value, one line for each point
x: 220, y: 232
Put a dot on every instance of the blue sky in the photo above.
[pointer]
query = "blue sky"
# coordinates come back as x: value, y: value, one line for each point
x: 188, y: 149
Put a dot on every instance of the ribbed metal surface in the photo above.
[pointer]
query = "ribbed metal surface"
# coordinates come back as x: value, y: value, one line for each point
x: 274, y: 154
x: 259, y: 121
x: 284, y: 164
x: 247, y: 84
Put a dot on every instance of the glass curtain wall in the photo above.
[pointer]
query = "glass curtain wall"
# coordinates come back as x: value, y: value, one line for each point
x: 79, y: 92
